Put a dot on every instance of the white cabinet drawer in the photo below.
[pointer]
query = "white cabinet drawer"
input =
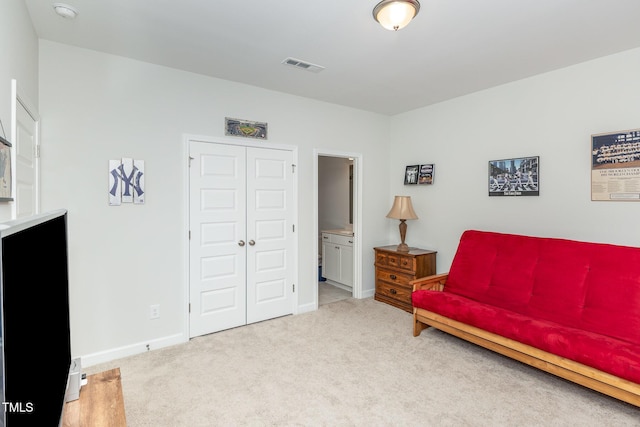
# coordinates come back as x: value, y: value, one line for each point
x: 342, y: 240
x: 338, y: 239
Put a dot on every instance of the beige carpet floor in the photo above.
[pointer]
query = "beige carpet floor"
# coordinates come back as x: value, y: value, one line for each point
x: 350, y: 363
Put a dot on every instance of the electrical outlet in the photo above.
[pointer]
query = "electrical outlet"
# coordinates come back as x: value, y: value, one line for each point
x: 154, y: 311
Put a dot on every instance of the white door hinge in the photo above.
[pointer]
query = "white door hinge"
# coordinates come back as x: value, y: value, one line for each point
x: 36, y: 151
x: 294, y: 287
x: 293, y: 168
x: 190, y: 159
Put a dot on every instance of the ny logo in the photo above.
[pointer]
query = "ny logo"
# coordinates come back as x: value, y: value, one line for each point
x: 126, y: 181
x: 129, y: 181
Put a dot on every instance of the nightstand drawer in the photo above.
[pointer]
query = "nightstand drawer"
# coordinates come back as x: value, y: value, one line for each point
x: 394, y: 277
x: 402, y: 294
x: 399, y: 261
x: 381, y: 259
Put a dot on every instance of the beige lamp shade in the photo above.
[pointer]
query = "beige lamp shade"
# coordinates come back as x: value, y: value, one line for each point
x: 402, y: 208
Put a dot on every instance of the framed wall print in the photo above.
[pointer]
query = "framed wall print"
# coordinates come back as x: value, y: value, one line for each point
x: 514, y: 177
x: 425, y: 175
x: 411, y: 174
x: 5, y: 170
x: 245, y: 128
x: 615, y: 166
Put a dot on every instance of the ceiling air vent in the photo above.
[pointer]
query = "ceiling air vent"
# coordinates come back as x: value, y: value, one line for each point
x: 303, y: 65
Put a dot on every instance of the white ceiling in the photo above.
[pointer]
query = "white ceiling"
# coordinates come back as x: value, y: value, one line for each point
x: 452, y: 48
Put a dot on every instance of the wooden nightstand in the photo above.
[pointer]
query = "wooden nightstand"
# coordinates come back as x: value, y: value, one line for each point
x: 394, y: 271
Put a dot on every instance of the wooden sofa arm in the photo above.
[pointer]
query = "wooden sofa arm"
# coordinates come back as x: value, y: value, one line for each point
x: 435, y: 282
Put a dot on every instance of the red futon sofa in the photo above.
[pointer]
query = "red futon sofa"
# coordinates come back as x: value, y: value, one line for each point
x: 567, y: 307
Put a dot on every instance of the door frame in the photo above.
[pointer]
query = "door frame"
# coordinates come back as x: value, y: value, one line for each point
x: 18, y: 98
x: 357, y: 217
x: 187, y: 138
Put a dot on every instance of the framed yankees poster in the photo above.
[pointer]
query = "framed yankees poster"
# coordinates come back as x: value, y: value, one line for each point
x: 425, y: 176
x: 615, y: 166
x: 245, y: 128
x: 411, y: 174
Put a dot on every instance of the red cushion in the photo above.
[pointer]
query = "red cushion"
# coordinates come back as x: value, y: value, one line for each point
x: 607, y: 354
x: 590, y: 286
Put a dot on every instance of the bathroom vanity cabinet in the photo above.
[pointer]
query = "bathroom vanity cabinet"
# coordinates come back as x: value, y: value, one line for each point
x: 337, y: 257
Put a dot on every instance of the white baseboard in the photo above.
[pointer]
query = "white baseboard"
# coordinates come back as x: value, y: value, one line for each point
x: 307, y: 308
x: 131, y: 350
x: 368, y: 293
x: 138, y: 348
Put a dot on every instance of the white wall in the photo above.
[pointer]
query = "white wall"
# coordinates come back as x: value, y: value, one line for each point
x: 333, y: 192
x: 552, y: 116
x: 97, y: 107
x: 19, y: 47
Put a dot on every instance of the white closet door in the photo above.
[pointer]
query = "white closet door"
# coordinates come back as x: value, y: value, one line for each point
x: 241, y: 248
x: 218, y: 223
x: 27, y: 185
x: 270, y: 233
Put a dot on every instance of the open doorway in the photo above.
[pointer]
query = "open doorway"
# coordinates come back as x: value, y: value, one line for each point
x: 337, y: 213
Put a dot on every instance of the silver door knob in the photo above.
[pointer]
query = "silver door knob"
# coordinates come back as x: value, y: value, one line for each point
x: 241, y: 243
x: 251, y: 242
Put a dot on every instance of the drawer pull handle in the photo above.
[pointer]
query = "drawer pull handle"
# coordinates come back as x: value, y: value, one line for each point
x: 393, y: 291
x: 393, y: 277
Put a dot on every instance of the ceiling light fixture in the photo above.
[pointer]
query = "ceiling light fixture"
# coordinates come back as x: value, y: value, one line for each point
x: 65, y: 10
x: 395, y: 14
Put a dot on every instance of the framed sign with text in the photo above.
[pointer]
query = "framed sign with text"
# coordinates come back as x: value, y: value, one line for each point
x: 615, y: 166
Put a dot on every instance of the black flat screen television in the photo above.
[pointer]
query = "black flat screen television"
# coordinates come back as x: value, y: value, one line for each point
x: 36, y: 342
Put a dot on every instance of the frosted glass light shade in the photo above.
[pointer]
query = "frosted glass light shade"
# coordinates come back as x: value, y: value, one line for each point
x: 65, y: 10
x: 395, y: 14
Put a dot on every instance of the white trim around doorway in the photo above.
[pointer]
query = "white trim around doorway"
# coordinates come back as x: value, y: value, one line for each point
x: 186, y: 139
x: 357, y: 217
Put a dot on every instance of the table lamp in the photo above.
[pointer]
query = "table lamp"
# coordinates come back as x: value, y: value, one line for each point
x: 402, y: 209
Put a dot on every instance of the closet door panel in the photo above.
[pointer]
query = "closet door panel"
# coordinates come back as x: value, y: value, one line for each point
x: 217, y: 210
x: 270, y: 226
